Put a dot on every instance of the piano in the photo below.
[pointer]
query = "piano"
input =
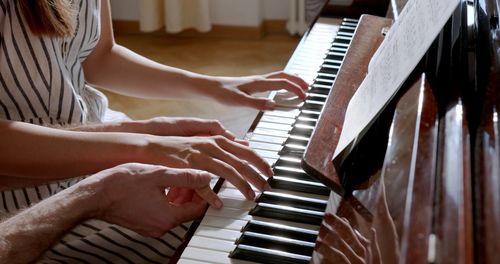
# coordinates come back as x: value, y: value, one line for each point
x: 426, y: 175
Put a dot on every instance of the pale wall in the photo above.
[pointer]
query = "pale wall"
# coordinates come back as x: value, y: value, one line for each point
x: 224, y: 12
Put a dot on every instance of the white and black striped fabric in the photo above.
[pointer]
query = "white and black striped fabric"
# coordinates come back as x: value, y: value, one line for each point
x: 42, y: 82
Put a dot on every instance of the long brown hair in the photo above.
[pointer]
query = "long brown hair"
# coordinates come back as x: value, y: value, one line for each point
x: 49, y: 17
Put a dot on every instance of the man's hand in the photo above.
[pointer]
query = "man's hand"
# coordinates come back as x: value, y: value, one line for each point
x: 135, y: 196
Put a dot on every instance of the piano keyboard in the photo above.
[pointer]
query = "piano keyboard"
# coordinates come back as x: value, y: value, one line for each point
x: 281, y: 225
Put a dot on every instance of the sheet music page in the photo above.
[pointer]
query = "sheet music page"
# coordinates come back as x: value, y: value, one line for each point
x: 403, y: 47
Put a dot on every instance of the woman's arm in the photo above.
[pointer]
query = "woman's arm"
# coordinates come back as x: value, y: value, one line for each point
x: 38, y: 152
x: 41, y: 153
x: 114, y: 67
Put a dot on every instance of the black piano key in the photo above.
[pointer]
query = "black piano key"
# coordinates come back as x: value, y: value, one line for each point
x: 300, y: 141
x: 325, y: 75
x: 318, y: 98
x: 300, y: 131
x: 277, y: 243
x: 332, y: 61
x: 324, y: 91
x: 313, y: 106
x: 288, y: 162
x: 335, y: 56
x: 328, y: 82
x: 309, y: 114
x: 293, y: 201
x: 330, y: 67
x: 340, y: 45
x: 263, y: 255
x: 340, y: 50
x: 287, y: 213
x: 345, y: 33
x: 295, y: 173
x: 290, y: 184
x: 281, y: 230
x: 305, y: 123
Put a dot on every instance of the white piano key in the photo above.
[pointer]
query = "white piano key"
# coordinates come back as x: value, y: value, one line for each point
x: 212, y: 244
x: 277, y: 119
x: 267, y: 139
x: 274, y: 126
x: 265, y: 146
x: 291, y: 113
x: 210, y: 256
x: 271, y: 132
x: 267, y: 154
x: 225, y: 223
x: 190, y: 261
x: 218, y: 233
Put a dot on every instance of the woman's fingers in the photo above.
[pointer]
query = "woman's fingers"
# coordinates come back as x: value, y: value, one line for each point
x: 243, y: 168
x: 229, y: 173
x: 294, y: 78
x: 273, y: 84
x: 247, y: 154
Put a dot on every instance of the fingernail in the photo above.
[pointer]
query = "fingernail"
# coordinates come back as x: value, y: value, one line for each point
x: 270, y: 172
x: 270, y: 105
x: 267, y: 187
x: 218, y: 203
x: 251, y: 194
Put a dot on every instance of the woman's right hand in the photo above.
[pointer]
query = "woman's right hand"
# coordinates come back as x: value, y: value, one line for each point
x: 215, y: 154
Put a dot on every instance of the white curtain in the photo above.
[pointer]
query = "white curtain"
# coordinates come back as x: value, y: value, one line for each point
x: 174, y: 15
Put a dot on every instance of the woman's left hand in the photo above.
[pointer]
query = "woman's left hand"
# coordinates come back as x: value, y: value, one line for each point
x: 238, y: 91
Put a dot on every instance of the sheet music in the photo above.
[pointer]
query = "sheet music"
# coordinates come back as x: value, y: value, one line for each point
x: 403, y: 47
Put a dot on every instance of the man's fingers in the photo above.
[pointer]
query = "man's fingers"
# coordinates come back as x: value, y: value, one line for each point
x: 187, y: 212
x: 207, y: 194
x: 189, y: 178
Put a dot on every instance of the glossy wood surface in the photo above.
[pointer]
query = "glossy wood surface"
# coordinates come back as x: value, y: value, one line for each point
x: 319, y: 153
x: 398, y: 203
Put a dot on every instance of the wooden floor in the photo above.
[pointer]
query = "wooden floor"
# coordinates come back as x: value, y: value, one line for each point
x: 209, y: 56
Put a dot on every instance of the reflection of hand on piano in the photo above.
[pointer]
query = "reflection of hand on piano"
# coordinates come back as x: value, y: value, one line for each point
x: 338, y: 242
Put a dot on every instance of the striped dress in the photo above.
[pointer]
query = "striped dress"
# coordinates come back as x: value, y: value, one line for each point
x: 42, y: 82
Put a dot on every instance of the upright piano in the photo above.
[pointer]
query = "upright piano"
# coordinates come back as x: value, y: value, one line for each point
x: 425, y: 176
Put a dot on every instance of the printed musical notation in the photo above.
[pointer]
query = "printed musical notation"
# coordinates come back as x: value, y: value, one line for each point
x: 403, y: 47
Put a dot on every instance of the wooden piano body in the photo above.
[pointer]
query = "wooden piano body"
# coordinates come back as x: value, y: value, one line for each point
x: 426, y: 175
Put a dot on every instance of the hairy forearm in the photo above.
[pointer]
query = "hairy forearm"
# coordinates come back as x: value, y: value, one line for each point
x: 46, y: 153
x: 25, y: 236
x: 145, y: 78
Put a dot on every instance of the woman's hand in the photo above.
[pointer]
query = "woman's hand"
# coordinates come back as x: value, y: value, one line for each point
x: 238, y: 91
x: 165, y: 126
x: 134, y: 195
x: 215, y: 154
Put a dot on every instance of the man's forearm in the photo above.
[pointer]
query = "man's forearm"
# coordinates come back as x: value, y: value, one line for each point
x: 27, y: 235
